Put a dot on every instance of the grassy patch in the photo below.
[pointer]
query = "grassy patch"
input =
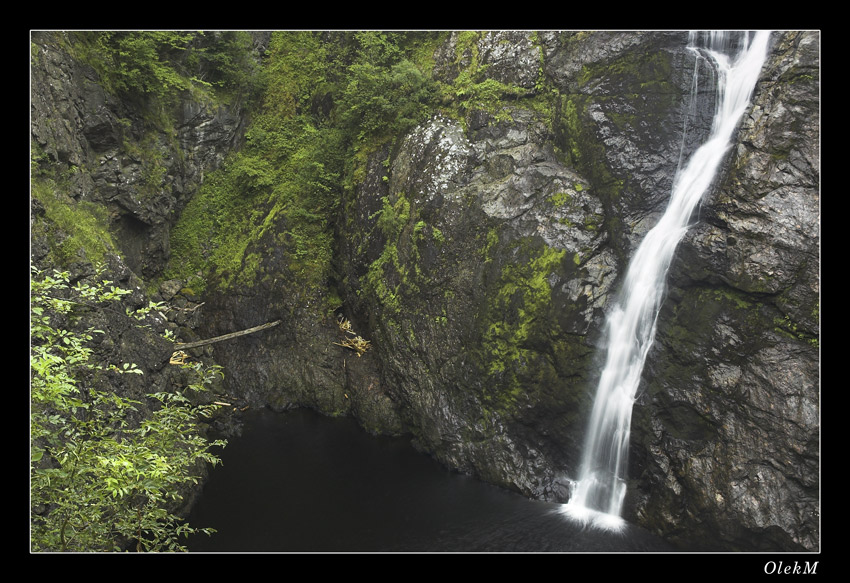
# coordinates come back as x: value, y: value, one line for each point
x: 75, y: 230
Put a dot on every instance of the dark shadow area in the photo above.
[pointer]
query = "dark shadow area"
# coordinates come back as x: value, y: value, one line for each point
x: 301, y: 482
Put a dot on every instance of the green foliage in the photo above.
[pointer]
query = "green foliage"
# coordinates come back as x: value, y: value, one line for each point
x: 393, y: 216
x: 384, y: 94
x: 380, y: 48
x: 137, y: 61
x: 329, y: 100
x: 162, y: 63
x: 224, y: 59
x: 283, y: 185
x: 289, y: 179
x: 297, y: 70
x: 100, y: 480
x: 324, y: 97
x: 75, y: 230
x: 472, y: 88
x: 283, y: 188
x: 210, y: 235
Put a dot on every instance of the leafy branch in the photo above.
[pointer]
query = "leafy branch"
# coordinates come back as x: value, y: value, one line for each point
x: 99, y: 479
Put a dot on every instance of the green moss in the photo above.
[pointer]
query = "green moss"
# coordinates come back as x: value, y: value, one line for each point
x: 211, y: 234
x: 520, y: 303
x: 472, y: 89
x: 385, y: 279
x: 790, y: 329
x: 393, y: 216
x: 75, y: 230
x: 492, y: 241
x: 738, y: 299
x: 566, y: 200
x: 438, y: 236
x: 281, y: 191
x: 390, y: 276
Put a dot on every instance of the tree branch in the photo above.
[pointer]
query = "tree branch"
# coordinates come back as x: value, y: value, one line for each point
x: 187, y: 345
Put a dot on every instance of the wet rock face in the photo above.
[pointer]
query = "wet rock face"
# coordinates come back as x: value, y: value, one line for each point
x: 510, y: 57
x: 728, y: 434
x: 494, y: 371
x: 632, y: 106
x: 462, y: 323
x: 482, y: 253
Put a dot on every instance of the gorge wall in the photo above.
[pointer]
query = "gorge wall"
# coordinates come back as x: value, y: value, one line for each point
x: 477, y: 251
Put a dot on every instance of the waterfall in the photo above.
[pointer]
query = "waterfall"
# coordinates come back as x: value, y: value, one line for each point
x: 597, y: 496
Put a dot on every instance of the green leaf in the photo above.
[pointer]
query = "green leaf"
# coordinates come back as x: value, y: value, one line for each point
x: 99, y: 458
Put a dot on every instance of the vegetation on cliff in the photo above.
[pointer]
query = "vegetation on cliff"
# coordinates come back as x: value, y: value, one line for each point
x: 162, y: 64
x: 325, y: 101
x: 101, y: 478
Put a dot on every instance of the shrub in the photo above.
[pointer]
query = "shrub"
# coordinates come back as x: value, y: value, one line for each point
x: 99, y: 481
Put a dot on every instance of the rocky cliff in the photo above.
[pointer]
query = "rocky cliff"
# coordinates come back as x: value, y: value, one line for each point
x: 733, y: 383
x: 477, y: 251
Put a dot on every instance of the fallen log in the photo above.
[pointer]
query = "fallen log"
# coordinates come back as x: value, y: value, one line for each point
x: 188, y: 345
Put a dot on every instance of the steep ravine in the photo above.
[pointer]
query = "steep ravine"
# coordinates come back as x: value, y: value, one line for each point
x: 477, y: 253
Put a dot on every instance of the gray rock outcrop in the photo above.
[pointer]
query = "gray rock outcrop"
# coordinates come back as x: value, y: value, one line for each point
x: 730, y: 422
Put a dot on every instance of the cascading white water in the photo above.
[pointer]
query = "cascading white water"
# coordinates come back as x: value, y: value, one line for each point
x: 598, y: 495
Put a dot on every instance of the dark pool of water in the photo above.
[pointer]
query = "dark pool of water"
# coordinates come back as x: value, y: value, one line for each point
x: 300, y: 482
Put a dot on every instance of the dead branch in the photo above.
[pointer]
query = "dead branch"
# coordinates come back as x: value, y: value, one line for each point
x: 188, y: 345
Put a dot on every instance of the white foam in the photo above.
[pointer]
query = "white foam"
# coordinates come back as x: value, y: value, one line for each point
x: 631, y: 322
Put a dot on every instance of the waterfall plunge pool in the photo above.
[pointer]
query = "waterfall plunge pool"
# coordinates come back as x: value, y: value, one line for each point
x: 299, y: 482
